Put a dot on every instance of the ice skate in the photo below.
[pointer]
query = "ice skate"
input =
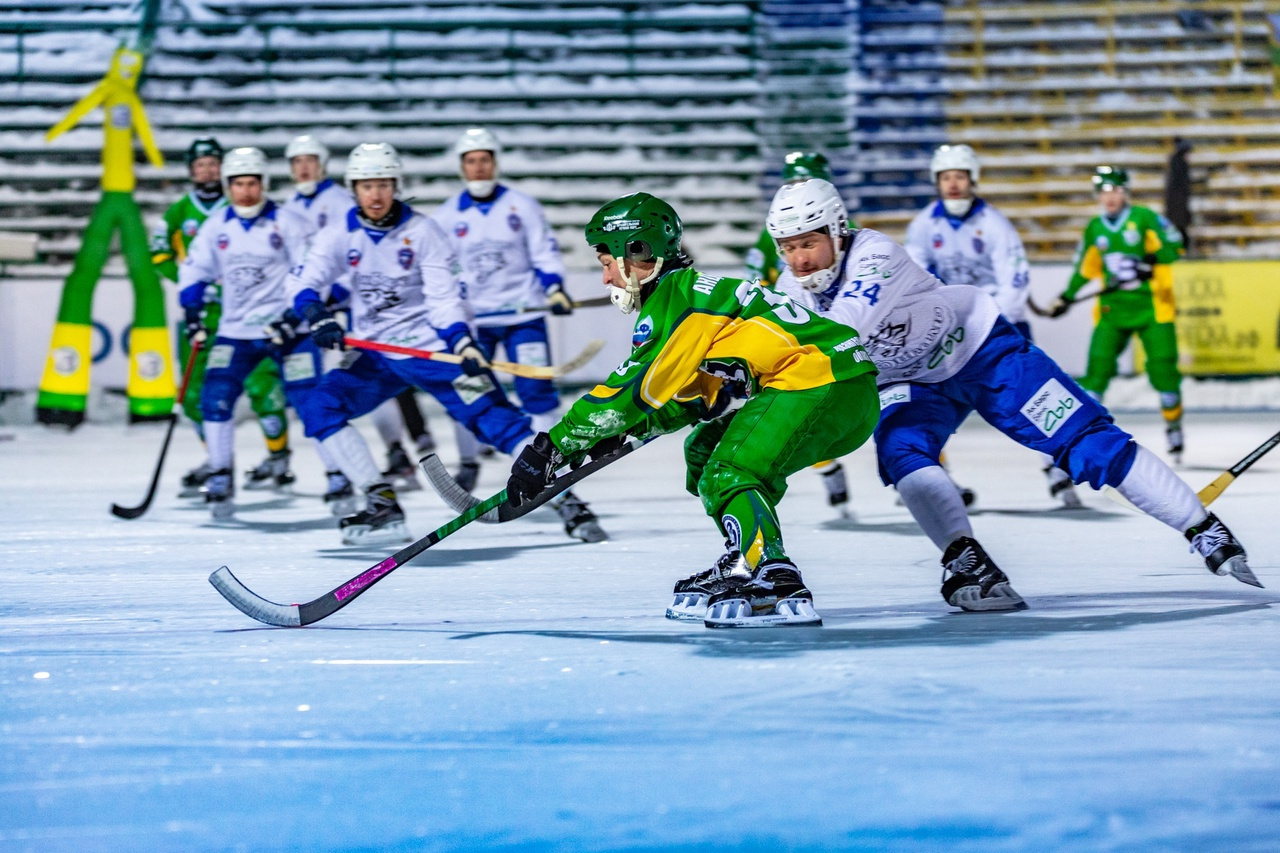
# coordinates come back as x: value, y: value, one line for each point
x: 468, y: 474
x: 340, y: 497
x: 425, y: 443
x: 219, y: 494
x: 381, y: 520
x: 774, y: 596
x: 193, y: 481
x: 971, y: 581
x: 579, y: 521
x: 836, y: 485
x: 1061, y: 488
x: 1223, y: 554
x: 400, y: 471
x: 272, y: 473
x: 1174, y: 437
x: 689, y: 596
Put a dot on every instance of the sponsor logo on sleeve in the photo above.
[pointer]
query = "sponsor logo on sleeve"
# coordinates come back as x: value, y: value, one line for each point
x: 190, y: 227
x: 1050, y: 407
x: 643, y: 331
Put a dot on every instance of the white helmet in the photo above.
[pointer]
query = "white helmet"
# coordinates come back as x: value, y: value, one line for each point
x: 307, y: 144
x: 807, y: 206
x: 954, y: 157
x: 478, y: 139
x: 373, y: 160
x: 245, y: 161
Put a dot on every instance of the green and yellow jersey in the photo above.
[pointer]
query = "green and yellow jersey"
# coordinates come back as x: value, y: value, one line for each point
x: 1110, y: 251
x: 692, y: 331
x: 174, y: 233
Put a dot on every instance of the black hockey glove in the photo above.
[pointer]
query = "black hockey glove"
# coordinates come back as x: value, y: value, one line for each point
x: 1059, y: 307
x: 732, y: 396
x: 1145, y: 268
x: 605, y: 446
x: 473, y: 361
x: 534, y: 469
x: 285, y: 330
x: 325, y: 330
x: 193, y: 324
x: 558, y: 301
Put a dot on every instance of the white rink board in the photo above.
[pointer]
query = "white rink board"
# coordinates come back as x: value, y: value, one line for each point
x: 514, y: 690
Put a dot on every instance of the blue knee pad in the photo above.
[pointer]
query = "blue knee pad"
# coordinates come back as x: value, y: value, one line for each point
x: 218, y: 396
x: 1101, y: 455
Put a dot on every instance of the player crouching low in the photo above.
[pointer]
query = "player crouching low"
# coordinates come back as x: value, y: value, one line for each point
x: 811, y: 396
x: 404, y: 291
x: 944, y: 352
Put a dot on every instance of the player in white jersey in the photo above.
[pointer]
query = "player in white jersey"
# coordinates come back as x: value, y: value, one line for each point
x: 944, y: 352
x: 510, y: 262
x: 404, y: 291
x: 249, y: 248
x: 962, y: 239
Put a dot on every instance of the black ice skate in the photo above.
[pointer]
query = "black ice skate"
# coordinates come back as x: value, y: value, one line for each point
x: 339, y: 497
x: 219, y: 493
x: 775, y: 595
x: 971, y: 581
x: 1061, y: 488
x: 272, y: 473
x: 1173, y: 434
x: 836, y: 485
x: 689, y: 597
x: 381, y: 520
x: 468, y: 474
x: 400, y: 472
x: 193, y: 481
x: 579, y: 521
x: 1223, y: 554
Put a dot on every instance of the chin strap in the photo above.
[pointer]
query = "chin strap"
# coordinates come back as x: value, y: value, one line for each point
x: 628, y: 299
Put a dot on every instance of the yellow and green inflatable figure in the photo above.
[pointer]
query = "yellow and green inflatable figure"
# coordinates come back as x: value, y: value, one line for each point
x: 64, y: 387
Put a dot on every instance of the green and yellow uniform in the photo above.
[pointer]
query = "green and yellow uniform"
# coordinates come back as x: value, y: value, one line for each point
x: 1132, y: 256
x: 813, y: 396
x: 169, y: 242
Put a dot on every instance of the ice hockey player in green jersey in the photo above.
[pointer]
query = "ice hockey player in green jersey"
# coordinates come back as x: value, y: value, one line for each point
x: 169, y: 242
x: 1130, y: 249
x: 701, y: 346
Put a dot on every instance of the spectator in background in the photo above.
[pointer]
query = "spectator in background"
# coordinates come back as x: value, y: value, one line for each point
x: 1177, y: 190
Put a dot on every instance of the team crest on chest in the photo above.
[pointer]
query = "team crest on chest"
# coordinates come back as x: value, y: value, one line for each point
x: 223, y: 241
x: 514, y: 222
x: 460, y: 230
x: 405, y: 256
x: 1131, y: 237
x: 321, y: 220
x: 978, y: 245
x: 276, y: 241
x: 937, y: 241
x: 353, y: 257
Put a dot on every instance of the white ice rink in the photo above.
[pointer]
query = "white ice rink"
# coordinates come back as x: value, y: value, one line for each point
x: 513, y: 690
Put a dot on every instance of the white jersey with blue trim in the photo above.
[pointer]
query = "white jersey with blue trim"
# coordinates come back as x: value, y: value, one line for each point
x: 251, y: 258
x: 404, y: 286
x: 982, y: 249
x: 330, y: 203
x: 914, y: 327
x: 508, y: 252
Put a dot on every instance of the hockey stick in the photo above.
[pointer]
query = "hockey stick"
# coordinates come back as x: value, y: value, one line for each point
x: 136, y: 511
x: 460, y: 500
x: 593, y: 302
x: 515, y: 369
x: 297, y: 615
x: 1211, y: 492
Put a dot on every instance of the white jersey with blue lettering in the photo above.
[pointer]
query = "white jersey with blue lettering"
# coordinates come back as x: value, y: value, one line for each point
x: 981, y: 249
x: 508, y: 252
x: 914, y: 327
x: 330, y: 203
x: 404, y: 286
x: 252, y: 259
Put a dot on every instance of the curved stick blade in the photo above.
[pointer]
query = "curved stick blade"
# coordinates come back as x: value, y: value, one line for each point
x: 457, y: 498
x: 580, y: 360
x: 254, y: 606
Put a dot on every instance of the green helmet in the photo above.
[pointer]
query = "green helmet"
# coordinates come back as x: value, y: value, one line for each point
x: 1114, y: 177
x: 637, y: 227
x: 205, y: 146
x: 802, y: 165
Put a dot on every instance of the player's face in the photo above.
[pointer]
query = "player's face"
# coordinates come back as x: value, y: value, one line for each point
x: 954, y: 183
x: 375, y: 196
x: 305, y: 167
x: 1113, y: 200
x: 808, y: 253
x: 478, y: 166
x: 245, y: 190
x: 613, y: 276
x: 206, y: 169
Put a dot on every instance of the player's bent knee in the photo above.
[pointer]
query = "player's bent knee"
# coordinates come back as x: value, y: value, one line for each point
x: 720, y: 482
x: 1101, y: 455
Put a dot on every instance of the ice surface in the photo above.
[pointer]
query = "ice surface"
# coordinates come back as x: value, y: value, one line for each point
x: 514, y: 690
